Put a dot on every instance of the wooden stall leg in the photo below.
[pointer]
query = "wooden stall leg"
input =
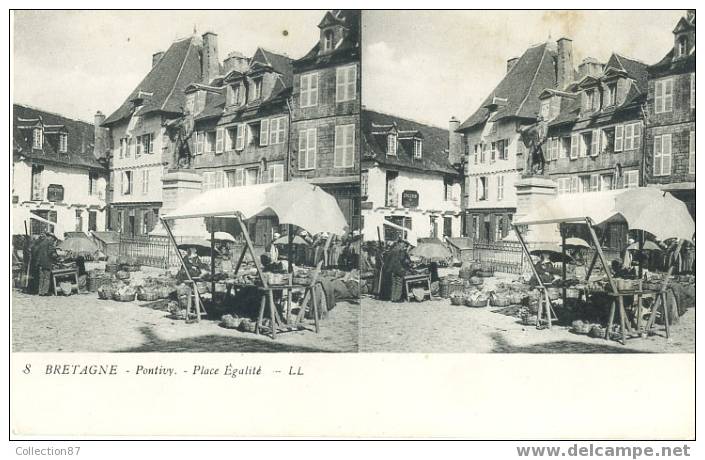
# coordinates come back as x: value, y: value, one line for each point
x: 638, y: 314
x: 315, y: 306
x: 270, y: 296
x: 611, y: 319
x: 260, y: 313
x: 548, y: 309
x: 666, y: 321
x: 539, y: 312
x: 622, y: 320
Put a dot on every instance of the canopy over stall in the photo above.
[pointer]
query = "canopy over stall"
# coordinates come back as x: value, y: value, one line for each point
x: 647, y: 209
x: 294, y: 203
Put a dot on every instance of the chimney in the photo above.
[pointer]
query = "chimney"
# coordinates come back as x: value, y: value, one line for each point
x: 455, y: 142
x: 590, y: 67
x: 100, y: 136
x: 564, y: 65
x: 235, y: 61
x: 511, y: 62
x: 156, y: 57
x: 210, y: 65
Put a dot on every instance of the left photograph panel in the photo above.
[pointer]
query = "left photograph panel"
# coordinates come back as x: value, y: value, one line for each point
x: 186, y: 181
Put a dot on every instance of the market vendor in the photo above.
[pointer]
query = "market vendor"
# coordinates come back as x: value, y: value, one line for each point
x: 195, y: 266
x: 396, y: 264
x: 44, y: 256
x: 546, y: 270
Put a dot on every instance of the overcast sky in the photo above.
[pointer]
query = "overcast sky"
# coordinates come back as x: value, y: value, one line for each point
x: 429, y: 66
x: 77, y: 62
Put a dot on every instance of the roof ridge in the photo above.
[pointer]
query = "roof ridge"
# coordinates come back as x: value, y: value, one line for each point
x: 176, y: 80
x: 32, y: 107
x: 533, y: 80
x: 404, y: 118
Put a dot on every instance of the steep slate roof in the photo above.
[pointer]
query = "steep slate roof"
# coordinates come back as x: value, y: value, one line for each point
x: 635, y: 69
x: 434, y: 151
x: 348, y: 49
x: 521, y: 86
x: 279, y: 63
x: 79, y: 142
x: 179, y: 67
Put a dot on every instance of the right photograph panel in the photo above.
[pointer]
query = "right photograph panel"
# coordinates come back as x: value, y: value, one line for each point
x: 528, y: 182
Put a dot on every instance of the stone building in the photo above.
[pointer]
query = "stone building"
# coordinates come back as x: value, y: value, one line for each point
x: 494, y: 152
x: 595, y: 127
x: 670, y: 133
x: 141, y: 150
x: 408, y: 179
x: 325, y: 117
x: 58, y: 172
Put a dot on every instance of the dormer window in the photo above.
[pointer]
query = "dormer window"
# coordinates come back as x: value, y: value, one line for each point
x: 610, y: 97
x: 37, y: 138
x: 235, y: 94
x: 63, y: 143
x: 256, y: 89
x: 682, y: 46
x: 592, y: 100
x: 418, y: 148
x: 392, y: 144
x: 545, y: 109
x: 327, y: 40
x: 190, y: 100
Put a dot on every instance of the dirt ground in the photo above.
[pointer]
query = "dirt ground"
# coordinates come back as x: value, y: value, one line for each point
x: 83, y: 323
x: 438, y: 327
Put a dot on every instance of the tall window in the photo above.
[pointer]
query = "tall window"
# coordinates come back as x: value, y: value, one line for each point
x: 392, y: 144
x: 63, y: 143
x: 327, y: 40
x: 277, y: 130
x: 145, y: 181
x: 220, y: 140
x: 123, y: 147
x: 240, y: 138
x: 307, y: 149
x: 256, y: 89
x: 631, y: 179
x: 37, y: 138
x: 498, y: 227
x: 574, y: 146
x: 663, y: 100
x: 691, y: 153
x: 500, y: 187
x: 418, y: 148
x: 481, y: 188
x: 682, y: 46
x: 276, y: 173
x: 662, y: 155
x: 200, y: 142
x: 611, y: 94
x: 210, y: 142
x: 632, y: 136
x: 363, y: 183
x: 309, y: 90
x: 127, y: 182
x: 345, y: 83
x: 344, y: 146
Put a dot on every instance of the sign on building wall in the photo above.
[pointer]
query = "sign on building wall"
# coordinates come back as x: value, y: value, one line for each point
x: 410, y: 199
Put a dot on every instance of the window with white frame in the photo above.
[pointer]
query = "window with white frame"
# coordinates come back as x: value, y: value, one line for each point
x: 345, y: 83
x: 663, y: 100
x: 631, y: 179
x: 145, y: 181
x: 564, y: 185
x: 256, y: 92
x: 210, y: 142
x: 344, y: 154
x: 200, y: 142
x: 63, y: 143
x: 610, y: 98
x: 276, y: 173
x: 662, y: 155
x: 418, y: 148
x: 606, y: 182
x: 574, y: 184
x: 235, y: 177
x: 500, y: 187
x: 595, y: 183
x: 691, y: 153
x: 123, y: 147
x: 584, y: 184
x: 632, y: 136
x: 364, y: 176
x: 564, y: 147
x: 585, y: 144
x: 37, y: 138
x: 309, y: 90
x: 476, y: 153
x: 327, y: 40
x: 692, y: 90
x: 307, y: 149
x: 595, y: 143
x: 126, y: 182
x: 277, y: 130
x: 392, y: 144
x: 230, y: 138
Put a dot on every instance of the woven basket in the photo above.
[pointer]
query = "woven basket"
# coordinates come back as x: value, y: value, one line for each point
x: 500, y: 301
x: 124, y: 297
x: 476, y: 281
x: 106, y: 293
x: 457, y: 299
x: 597, y: 332
x: 148, y: 296
x: 476, y: 303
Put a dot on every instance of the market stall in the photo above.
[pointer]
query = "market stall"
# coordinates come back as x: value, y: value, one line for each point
x: 646, y: 209
x: 297, y: 204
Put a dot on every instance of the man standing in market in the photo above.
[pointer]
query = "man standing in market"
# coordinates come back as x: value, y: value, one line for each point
x: 45, y: 258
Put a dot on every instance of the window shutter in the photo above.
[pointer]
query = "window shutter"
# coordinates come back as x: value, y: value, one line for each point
x: 657, y: 155
x: 666, y: 155
x: 595, y: 147
x: 594, y: 183
x: 668, y: 96
x: 240, y: 142
x: 477, y: 189
x: 273, y: 128
x: 303, y: 146
x: 350, y: 146
x: 151, y: 143
x: 311, y: 155
x: 313, y: 95
x: 574, y: 146
x: 264, y: 132
x: 618, y: 138
x: 339, y: 152
x: 352, y: 82
x: 239, y: 177
x: 219, y: 140
x: 340, y: 83
x: 658, y: 98
x: 637, y: 135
